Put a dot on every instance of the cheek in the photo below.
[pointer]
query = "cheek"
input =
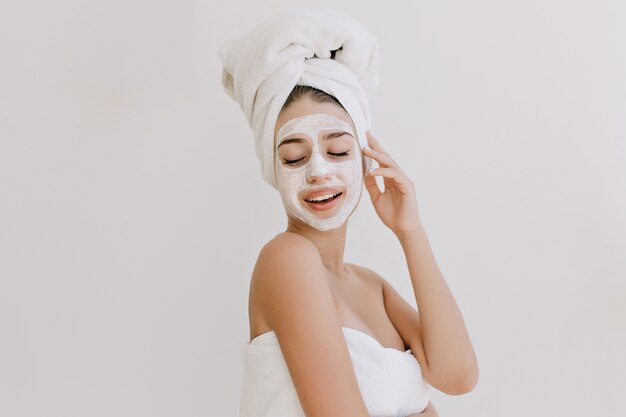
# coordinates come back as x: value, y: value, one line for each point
x: 350, y: 172
x: 290, y: 180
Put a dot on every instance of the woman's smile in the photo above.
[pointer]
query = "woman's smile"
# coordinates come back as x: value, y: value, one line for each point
x: 324, y: 202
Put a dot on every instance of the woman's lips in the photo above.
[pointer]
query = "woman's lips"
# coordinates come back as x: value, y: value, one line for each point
x: 325, y: 204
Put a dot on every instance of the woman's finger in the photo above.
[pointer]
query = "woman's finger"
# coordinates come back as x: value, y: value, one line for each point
x: 372, y: 186
x: 374, y: 143
x: 392, y: 173
x: 383, y: 159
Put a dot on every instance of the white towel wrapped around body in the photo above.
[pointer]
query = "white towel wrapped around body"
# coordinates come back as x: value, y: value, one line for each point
x: 390, y: 381
x: 309, y: 46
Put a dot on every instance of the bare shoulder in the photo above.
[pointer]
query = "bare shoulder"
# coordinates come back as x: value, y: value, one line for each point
x: 289, y: 268
x: 287, y: 242
x: 285, y: 251
x: 391, y: 295
x: 371, y: 277
x: 298, y: 304
x: 367, y: 275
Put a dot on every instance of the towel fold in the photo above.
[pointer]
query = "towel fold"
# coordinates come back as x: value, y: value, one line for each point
x: 390, y: 381
x: 309, y: 46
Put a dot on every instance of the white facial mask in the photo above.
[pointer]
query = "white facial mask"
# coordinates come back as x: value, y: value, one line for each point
x: 345, y: 175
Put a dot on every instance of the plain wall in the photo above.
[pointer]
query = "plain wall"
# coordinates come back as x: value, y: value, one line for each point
x: 132, y: 207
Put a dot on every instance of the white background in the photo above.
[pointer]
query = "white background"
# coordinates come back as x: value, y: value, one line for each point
x: 132, y: 207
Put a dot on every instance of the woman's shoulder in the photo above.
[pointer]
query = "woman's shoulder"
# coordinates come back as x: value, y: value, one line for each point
x: 365, y: 274
x: 287, y: 251
x: 286, y: 244
x: 373, y: 280
x: 289, y: 238
x: 284, y: 270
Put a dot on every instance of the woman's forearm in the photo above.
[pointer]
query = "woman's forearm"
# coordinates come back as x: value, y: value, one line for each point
x: 451, y: 361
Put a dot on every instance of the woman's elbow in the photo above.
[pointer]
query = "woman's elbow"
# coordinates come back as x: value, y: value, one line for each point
x: 466, y: 387
x: 464, y: 383
x: 460, y: 383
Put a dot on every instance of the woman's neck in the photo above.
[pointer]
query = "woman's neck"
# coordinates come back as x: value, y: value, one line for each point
x: 329, y: 243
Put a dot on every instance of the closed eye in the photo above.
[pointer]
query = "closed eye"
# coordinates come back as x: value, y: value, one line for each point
x: 294, y: 161
x: 334, y: 154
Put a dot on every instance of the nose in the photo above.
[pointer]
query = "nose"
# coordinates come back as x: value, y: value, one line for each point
x: 318, y: 170
x: 318, y: 179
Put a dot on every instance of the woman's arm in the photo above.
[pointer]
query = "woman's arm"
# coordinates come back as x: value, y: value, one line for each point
x: 451, y: 362
x: 448, y: 359
x: 300, y: 308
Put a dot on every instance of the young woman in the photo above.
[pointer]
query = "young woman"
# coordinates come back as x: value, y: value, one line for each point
x: 329, y: 338
x: 307, y: 301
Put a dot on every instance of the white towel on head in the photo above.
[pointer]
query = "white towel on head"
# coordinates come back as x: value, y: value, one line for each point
x: 262, y: 66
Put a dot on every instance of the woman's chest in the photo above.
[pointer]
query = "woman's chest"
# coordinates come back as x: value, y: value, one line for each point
x: 360, y: 306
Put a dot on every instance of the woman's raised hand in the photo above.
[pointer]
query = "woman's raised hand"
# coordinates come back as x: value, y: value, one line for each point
x: 397, y: 205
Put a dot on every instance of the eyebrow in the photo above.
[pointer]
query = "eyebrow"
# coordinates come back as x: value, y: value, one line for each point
x: 326, y: 136
x: 333, y: 135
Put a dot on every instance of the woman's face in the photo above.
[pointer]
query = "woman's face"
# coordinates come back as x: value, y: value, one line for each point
x: 318, y: 163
